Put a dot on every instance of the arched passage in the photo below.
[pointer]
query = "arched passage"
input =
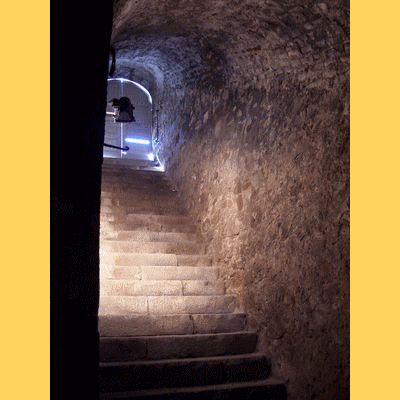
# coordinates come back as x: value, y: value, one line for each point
x: 136, y: 135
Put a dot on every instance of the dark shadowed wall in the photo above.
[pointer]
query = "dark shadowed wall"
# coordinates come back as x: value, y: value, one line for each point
x: 79, y: 67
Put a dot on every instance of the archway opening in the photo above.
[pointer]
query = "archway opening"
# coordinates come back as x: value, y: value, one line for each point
x: 136, y: 135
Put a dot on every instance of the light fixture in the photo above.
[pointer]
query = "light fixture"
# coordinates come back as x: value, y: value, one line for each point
x: 137, y: 141
x: 123, y: 110
x: 150, y: 156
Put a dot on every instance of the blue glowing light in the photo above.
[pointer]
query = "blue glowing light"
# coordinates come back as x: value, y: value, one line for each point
x: 137, y: 141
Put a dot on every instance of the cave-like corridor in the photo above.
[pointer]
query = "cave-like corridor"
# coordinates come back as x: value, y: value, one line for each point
x: 250, y: 120
x: 253, y: 128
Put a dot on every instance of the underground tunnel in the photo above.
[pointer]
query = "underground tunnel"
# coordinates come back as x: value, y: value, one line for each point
x: 250, y: 121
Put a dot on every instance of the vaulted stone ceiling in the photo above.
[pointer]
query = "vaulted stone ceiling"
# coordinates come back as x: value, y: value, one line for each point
x: 217, y: 42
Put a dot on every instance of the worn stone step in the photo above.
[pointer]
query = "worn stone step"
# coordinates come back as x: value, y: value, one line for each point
x: 122, y: 175
x: 139, y: 375
x: 125, y: 246
x: 133, y: 190
x: 165, y: 221
x: 126, y: 193
x: 153, y: 168
x: 169, y: 324
x: 132, y: 183
x: 123, y: 171
x: 150, y: 227
x: 135, y: 196
x: 131, y: 169
x: 129, y: 164
x: 268, y: 389
x: 152, y: 259
x: 129, y: 218
x: 135, y: 182
x: 132, y: 179
x: 119, y: 163
x: 155, y: 191
x: 108, y: 184
x: 157, y: 272
x: 139, y: 220
x: 110, y: 226
x: 115, y: 287
x: 137, y: 201
x: 144, y: 208
x: 120, y: 305
x: 116, y: 349
x: 126, y: 171
x: 148, y: 236
x: 193, y: 260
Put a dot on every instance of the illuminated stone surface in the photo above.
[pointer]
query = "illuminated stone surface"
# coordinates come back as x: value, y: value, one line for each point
x: 135, y: 325
x: 150, y: 270
x: 254, y: 133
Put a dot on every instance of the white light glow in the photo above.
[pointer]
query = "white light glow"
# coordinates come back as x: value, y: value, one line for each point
x: 161, y: 167
x: 136, y: 84
x: 137, y: 141
x: 150, y: 156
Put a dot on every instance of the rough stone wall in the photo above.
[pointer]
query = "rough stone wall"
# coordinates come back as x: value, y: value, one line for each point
x: 254, y: 131
x: 266, y: 176
x: 265, y: 172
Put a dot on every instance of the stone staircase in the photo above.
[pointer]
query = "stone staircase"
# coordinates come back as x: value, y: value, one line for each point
x: 167, y: 328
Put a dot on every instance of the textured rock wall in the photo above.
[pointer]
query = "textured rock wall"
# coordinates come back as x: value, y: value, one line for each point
x: 254, y: 131
x: 265, y: 173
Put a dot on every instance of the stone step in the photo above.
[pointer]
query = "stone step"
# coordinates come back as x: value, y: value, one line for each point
x: 169, y: 324
x: 153, y: 168
x: 134, y: 196
x: 119, y: 163
x: 268, y: 389
x: 134, y: 192
x: 111, y: 172
x: 139, y: 220
x: 163, y: 220
x: 110, y: 226
x: 128, y: 163
x: 158, y: 200
x: 136, y: 181
x: 131, y: 167
x: 156, y: 374
x: 132, y: 183
x: 123, y: 305
x: 144, y: 208
x: 153, y: 259
x: 147, y: 236
x: 123, y: 184
x: 125, y: 246
x: 123, y: 173
x: 119, y: 190
x: 116, y: 349
x: 116, y: 287
x: 156, y: 272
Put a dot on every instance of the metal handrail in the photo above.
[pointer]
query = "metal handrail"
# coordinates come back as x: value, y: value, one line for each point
x: 126, y: 148
x: 112, y: 69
